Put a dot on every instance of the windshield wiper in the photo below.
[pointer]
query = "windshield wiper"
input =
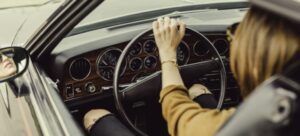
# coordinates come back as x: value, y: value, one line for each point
x: 153, y: 14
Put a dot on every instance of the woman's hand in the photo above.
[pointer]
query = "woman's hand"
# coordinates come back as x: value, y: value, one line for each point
x: 197, y: 90
x: 168, y: 34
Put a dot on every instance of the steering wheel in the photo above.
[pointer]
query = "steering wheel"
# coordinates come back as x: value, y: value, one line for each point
x: 151, y: 85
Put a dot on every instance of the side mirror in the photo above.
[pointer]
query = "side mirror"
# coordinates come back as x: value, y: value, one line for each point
x: 13, y: 63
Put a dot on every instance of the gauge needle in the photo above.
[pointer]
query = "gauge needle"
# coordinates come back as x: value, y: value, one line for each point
x: 104, y: 62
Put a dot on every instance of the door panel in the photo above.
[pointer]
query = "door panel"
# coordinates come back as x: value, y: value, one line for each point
x: 16, y: 116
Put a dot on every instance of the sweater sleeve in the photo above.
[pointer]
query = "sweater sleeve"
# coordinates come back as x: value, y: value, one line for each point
x: 187, y: 118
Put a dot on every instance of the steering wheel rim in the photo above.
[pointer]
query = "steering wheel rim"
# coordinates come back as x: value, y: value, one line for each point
x: 118, y: 98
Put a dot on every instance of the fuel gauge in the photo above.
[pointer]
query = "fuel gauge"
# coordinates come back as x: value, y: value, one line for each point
x: 135, y: 64
x: 136, y: 49
x: 150, y: 62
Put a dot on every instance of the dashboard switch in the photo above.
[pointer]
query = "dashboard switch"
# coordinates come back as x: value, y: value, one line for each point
x: 78, y: 90
x: 69, y: 91
x: 90, y: 87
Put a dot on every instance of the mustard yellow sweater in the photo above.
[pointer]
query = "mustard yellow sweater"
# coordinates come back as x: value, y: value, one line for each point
x: 185, y: 117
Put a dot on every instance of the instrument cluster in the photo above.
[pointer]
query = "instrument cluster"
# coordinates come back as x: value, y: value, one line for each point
x: 142, y: 56
x: 94, y: 71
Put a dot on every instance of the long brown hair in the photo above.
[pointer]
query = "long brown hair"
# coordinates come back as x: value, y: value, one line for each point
x: 262, y: 45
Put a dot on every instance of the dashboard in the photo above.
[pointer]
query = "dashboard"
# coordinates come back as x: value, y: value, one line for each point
x: 89, y: 75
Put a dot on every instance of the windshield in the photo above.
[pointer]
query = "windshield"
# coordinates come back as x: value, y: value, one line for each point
x: 115, y: 8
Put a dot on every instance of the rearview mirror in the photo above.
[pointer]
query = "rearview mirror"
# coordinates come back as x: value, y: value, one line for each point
x: 13, y: 62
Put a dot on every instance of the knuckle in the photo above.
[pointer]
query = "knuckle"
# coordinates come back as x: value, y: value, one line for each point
x: 154, y: 23
x: 162, y: 30
x: 173, y: 26
x: 157, y: 34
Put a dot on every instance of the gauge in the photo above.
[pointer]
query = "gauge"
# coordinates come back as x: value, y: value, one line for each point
x: 183, y: 53
x: 135, y: 64
x: 107, y: 73
x: 150, y: 62
x: 106, y: 63
x: 150, y: 46
x: 221, y: 45
x: 200, y: 48
x: 136, y: 49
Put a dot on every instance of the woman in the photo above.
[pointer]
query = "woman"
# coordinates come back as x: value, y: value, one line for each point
x: 261, y: 47
x: 7, y: 66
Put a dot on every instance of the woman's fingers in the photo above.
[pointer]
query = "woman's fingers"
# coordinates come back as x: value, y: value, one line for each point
x: 155, y: 27
x: 181, y: 28
x: 173, y: 26
x: 168, y: 33
x: 160, y: 23
x: 166, y: 22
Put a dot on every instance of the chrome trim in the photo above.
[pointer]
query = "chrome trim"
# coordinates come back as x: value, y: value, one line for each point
x: 129, y: 65
x: 86, y: 75
x: 121, y: 85
x: 227, y: 44
x: 149, y: 57
x: 194, y: 46
x: 144, y: 44
x: 87, y: 84
x: 102, y: 54
x: 55, y: 108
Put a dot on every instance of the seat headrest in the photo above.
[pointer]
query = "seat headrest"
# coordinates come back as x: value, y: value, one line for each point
x: 292, y: 68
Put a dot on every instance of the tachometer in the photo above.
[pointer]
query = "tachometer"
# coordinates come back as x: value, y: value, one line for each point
x: 106, y: 63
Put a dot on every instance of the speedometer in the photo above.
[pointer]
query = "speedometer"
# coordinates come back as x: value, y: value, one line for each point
x: 106, y: 63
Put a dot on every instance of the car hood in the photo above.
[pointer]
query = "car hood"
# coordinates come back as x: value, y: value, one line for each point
x: 18, y: 24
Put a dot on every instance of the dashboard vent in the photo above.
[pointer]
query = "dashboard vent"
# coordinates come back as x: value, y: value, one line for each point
x: 80, y: 69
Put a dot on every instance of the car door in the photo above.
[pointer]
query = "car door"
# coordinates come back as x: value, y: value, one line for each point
x: 30, y: 103
x: 16, y: 116
x: 30, y: 106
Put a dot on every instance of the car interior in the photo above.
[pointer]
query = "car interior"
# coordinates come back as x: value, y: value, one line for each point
x: 84, y: 63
